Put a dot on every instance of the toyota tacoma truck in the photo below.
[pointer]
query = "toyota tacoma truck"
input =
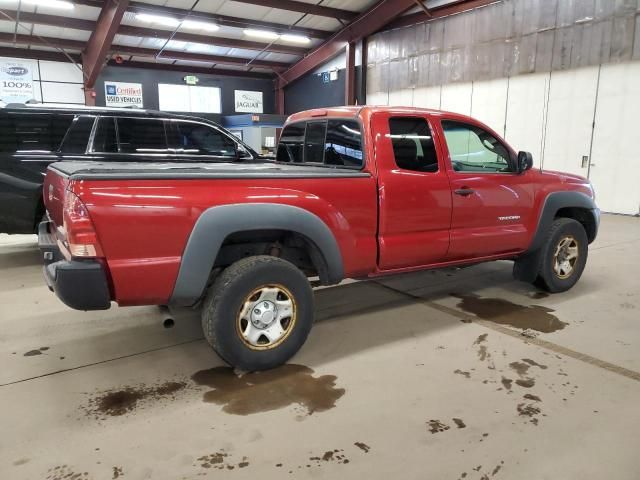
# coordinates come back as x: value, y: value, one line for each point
x: 356, y: 192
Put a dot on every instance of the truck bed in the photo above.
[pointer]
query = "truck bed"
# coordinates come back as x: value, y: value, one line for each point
x: 182, y: 170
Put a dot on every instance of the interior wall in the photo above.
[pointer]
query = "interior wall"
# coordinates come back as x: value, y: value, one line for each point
x: 54, y: 82
x: 150, y: 78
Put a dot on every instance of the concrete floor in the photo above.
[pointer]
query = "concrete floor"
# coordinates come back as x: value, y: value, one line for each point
x: 417, y: 376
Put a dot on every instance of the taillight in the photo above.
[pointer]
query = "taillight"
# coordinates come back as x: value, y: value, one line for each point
x: 81, y: 235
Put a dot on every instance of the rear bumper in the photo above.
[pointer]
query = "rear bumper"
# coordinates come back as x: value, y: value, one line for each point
x: 80, y: 284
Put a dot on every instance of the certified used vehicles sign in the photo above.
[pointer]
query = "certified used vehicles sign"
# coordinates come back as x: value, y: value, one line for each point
x: 119, y: 94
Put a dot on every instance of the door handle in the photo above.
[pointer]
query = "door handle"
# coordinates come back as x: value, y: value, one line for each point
x: 465, y: 191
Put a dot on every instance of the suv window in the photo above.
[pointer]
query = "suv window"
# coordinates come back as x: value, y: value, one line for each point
x: 77, y: 138
x: 200, y: 139
x: 105, y: 140
x: 32, y: 132
x: 343, y: 145
x: 472, y: 149
x: 314, y: 142
x: 141, y: 135
x: 290, y: 147
x: 413, y: 146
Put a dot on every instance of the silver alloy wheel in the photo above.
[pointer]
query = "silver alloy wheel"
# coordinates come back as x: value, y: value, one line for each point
x: 565, y: 257
x: 267, y: 317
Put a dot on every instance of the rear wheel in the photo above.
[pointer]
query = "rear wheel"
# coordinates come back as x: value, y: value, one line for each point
x: 563, y: 256
x: 258, y: 313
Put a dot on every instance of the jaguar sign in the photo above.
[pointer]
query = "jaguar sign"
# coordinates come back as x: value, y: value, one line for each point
x: 248, y: 101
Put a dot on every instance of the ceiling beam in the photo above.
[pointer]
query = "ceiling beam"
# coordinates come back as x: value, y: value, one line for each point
x: 438, y: 12
x: 190, y: 69
x: 90, y: 26
x: 37, y: 54
x: 225, y: 20
x: 306, y: 8
x: 95, y: 54
x: 143, y: 52
x: 367, y: 23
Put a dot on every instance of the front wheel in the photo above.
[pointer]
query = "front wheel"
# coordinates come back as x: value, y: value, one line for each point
x: 564, y: 256
x: 258, y: 313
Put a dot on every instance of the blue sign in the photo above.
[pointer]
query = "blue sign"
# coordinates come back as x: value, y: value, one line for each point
x: 111, y: 90
x: 326, y: 77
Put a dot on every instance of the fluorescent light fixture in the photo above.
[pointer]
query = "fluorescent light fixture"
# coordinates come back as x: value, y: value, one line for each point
x: 158, y: 19
x: 197, y: 25
x: 51, y: 3
x: 287, y: 37
x: 250, y: 32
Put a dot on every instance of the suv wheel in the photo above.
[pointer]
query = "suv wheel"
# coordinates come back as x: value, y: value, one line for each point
x: 258, y: 313
x: 563, y: 255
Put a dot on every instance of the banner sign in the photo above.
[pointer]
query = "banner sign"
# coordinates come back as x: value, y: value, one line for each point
x: 118, y: 94
x: 248, y: 102
x: 16, y: 82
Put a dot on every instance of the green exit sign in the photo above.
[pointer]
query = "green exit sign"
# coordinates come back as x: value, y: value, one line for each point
x: 191, y: 80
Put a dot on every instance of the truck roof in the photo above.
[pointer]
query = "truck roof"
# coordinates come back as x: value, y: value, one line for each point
x: 366, y: 110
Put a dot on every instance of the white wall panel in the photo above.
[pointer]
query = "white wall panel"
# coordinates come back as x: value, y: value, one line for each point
x: 572, y: 98
x: 427, y: 97
x: 616, y: 156
x: 456, y: 97
x: 62, y: 93
x: 489, y: 103
x: 401, y: 98
x: 380, y: 98
x: 526, y: 113
x: 60, y: 72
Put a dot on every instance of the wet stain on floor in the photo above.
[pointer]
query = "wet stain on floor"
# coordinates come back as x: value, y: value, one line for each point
x: 504, y: 312
x: 269, y: 390
x: 220, y: 461
x: 114, y: 403
x: 459, y: 422
x: 464, y: 374
x: 336, y: 456
x: 436, y: 426
x: 506, y: 383
x: 64, y: 472
x: 117, y: 473
x: 363, y: 446
x: 529, y: 410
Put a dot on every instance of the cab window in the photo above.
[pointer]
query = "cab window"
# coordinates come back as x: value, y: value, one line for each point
x: 472, y: 149
x: 413, y: 146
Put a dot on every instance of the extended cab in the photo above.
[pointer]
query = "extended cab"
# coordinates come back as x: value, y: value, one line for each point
x: 356, y: 192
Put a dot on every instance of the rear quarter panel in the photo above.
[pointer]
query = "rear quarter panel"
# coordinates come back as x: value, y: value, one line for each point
x: 143, y: 225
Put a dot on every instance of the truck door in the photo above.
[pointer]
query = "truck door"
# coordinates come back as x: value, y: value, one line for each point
x: 414, y: 194
x: 492, y: 203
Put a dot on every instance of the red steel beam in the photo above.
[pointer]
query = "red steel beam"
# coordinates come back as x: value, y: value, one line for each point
x: 37, y: 54
x: 42, y: 41
x: 367, y: 23
x: 90, y: 25
x: 190, y: 69
x: 350, y: 80
x: 438, y: 12
x: 301, y: 7
x: 94, y: 55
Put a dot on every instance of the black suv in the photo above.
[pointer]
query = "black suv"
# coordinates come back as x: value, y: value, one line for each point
x: 32, y: 137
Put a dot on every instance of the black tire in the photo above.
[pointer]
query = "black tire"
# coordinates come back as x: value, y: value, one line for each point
x: 226, y: 298
x: 548, y: 279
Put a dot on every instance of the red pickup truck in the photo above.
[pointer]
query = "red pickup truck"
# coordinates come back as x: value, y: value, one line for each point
x: 356, y: 192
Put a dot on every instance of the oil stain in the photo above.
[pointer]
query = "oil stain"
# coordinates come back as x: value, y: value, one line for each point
x: 526, y: 382
x: 64, y: 472
x: 534, y: 364
x: 21, y: 461
x: 117, y: 473
x: 32, y: 353
x: 436, y: 426
x: 219, y: 461
x: 330, y: 456
x: 506, y: 382
x: 535, y: 398
x: 529, y: 410
x: 363, y: 446
x: 269, y: 390
x: 459, y: 422
x: 114, y: 403
x: 504, y: 312
x: 464, y: 374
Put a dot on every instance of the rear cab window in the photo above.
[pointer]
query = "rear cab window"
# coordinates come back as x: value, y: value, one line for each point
x: 331, y: 143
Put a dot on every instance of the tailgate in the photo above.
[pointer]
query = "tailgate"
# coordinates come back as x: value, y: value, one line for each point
x: 55, y: 185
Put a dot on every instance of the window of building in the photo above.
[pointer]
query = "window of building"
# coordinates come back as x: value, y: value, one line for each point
x: 472, y: 149
x: 413, y: 146
x: 142, y: 135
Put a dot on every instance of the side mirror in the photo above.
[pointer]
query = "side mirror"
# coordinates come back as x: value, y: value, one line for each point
x: 525, y: 161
